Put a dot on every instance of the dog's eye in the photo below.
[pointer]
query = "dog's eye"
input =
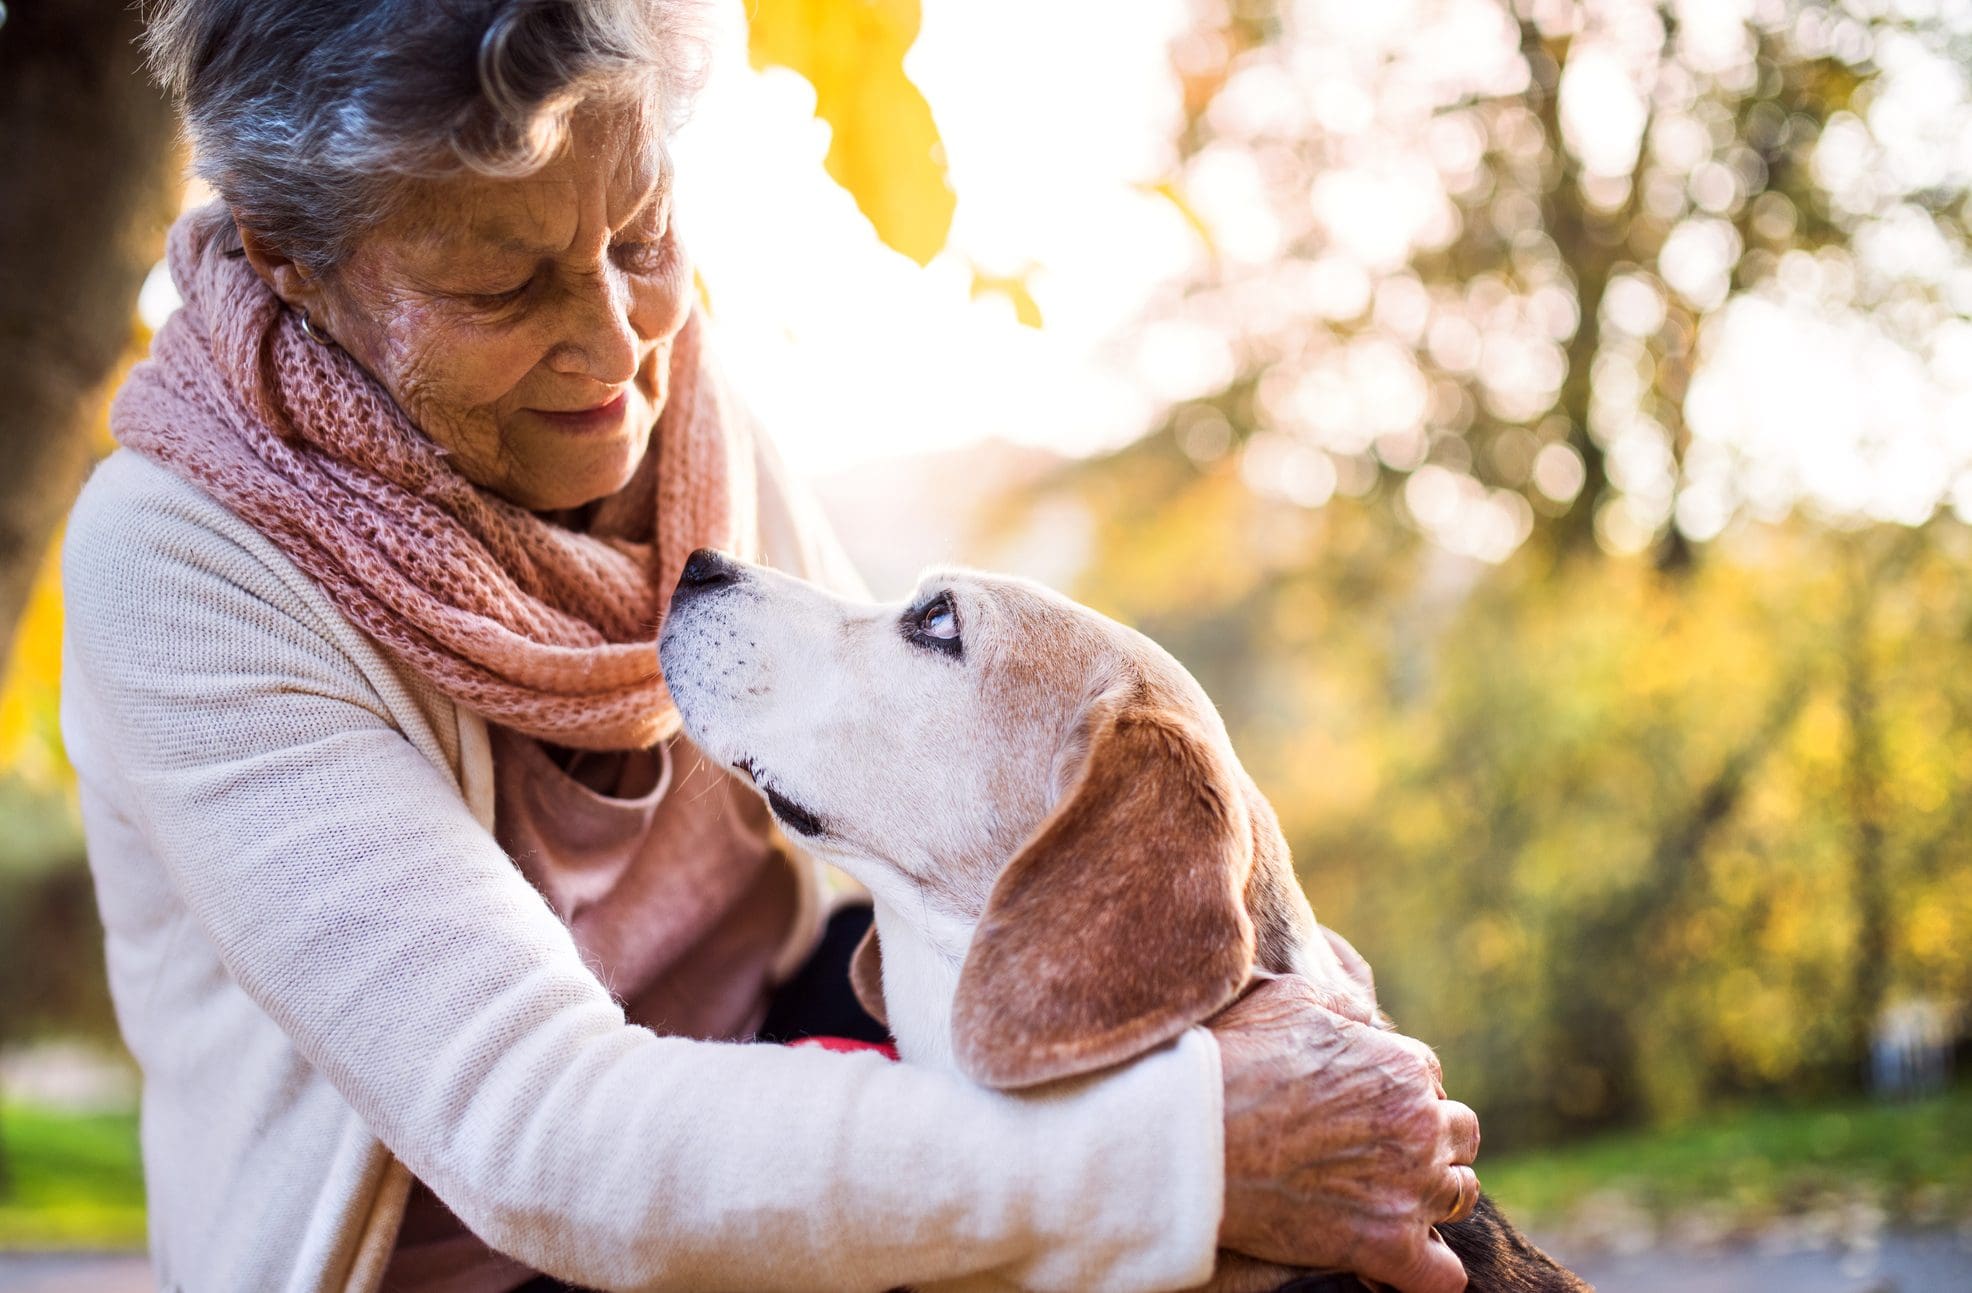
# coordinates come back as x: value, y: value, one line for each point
x: 941, y: 621
x: 935, y: 626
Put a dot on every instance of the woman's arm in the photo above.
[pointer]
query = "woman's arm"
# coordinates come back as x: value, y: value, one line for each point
x: 352, y: 895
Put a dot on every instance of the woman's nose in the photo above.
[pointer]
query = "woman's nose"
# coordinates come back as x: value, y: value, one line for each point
x: 599, y: 340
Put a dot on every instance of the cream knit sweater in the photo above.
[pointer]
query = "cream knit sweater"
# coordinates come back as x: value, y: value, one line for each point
x: 333, y: 978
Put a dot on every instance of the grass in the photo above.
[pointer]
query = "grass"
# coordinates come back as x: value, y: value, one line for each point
x: 1745, y: 1168
x: 72, y: 1180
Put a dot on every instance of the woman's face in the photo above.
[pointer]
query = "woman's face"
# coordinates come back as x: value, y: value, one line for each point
x: 526, y: 324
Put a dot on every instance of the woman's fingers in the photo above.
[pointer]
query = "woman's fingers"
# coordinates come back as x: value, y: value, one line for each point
x: 1437, y: 1070
x: 1346, y: 1004
x: 1353, y: 963
x: 1460, y: 1195
x: 1313, y: 1099
x: 1422, y: 1264
x: 1291, y: 995
x: 1427, y: 1057
x: 1461, y: 1131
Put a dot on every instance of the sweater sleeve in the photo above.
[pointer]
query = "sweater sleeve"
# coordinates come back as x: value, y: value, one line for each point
x: 353, y: 896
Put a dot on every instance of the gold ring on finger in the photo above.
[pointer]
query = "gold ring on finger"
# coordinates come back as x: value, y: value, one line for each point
x: 1468, y: 1195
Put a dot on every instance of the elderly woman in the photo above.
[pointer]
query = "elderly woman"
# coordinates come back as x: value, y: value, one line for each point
x: 429, y: 933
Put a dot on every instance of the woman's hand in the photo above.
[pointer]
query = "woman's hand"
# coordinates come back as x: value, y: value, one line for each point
x: 1341, y: 1150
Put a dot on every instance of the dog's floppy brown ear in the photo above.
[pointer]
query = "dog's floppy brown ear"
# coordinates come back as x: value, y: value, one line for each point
x: 1122, y: 921
x: 866, y: 975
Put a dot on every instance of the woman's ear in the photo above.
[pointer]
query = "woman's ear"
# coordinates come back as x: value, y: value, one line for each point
x: 288, y: 278
x: 1123, y: 921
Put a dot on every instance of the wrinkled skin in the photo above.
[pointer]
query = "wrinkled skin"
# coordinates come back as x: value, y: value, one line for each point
x: 1341, y: 1150
x: 486, y: 305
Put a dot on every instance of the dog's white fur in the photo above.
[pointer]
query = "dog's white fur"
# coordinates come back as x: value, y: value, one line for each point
x: 930, y: 771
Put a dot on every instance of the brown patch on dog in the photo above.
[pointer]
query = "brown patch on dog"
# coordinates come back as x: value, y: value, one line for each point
x: 1281, y: 915
x: 866, y: 975
x: 1123, y: 921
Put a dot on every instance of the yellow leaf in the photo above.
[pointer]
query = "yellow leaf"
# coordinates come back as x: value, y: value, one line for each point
x: 30, y: 736
x: 1011, y: 286
x: 1170, y: 192
x: 884, y: 148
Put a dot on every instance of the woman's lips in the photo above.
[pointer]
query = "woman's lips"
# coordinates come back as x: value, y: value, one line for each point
x: 602, y: 417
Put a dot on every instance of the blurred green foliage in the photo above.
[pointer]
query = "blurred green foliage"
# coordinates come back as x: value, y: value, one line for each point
x: 1644, y: 784
x: 1621, y: 841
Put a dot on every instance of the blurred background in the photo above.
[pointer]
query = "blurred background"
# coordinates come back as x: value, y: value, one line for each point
x: 1545, y: 427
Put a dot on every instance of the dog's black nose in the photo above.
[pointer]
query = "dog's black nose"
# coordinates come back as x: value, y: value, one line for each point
x: 708, y: 568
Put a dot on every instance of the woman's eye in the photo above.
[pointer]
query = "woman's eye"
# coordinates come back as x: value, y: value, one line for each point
x: 643, y: 257
x: 506, y: 296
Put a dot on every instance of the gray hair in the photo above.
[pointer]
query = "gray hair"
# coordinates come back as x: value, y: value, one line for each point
x: 305, y: 115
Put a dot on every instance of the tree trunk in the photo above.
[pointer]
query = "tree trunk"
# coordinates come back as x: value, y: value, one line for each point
x: 91, y: 180
x: 1863, y: 775
x: 1622, y: 939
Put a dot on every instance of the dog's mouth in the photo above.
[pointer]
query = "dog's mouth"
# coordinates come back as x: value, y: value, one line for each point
x: 792, y: 815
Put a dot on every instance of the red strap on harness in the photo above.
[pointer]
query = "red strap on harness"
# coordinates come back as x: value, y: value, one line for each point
x: 847, y: 1045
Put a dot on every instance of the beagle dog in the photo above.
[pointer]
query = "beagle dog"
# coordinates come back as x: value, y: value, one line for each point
x: 1068, y: 863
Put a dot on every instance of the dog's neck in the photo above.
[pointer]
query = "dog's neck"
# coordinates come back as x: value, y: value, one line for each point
x: 921, y: 966
x: 925, y: 935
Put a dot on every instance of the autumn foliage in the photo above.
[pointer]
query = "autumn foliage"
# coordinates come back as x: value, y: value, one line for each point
x: 1643, y: 785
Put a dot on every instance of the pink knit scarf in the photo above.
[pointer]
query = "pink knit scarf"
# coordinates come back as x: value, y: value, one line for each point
x: 539, y: 627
